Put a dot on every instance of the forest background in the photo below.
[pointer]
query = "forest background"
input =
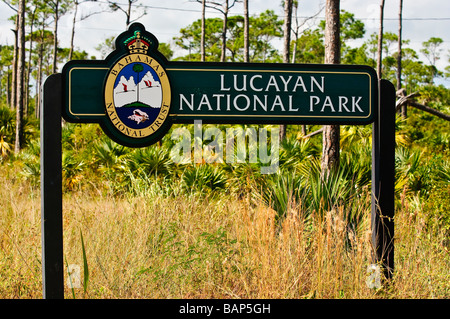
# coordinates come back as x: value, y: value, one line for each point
x: 138, y: 225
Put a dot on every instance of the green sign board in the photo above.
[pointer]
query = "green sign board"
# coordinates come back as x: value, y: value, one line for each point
x: 135, y: 94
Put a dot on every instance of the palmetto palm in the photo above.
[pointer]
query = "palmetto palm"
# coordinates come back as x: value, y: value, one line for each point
x: 138, y: 68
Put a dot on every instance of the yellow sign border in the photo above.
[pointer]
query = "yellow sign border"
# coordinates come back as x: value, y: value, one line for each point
x: 271, y: 115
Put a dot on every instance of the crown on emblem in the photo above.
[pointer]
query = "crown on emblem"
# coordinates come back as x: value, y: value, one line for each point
x: 137, y: 43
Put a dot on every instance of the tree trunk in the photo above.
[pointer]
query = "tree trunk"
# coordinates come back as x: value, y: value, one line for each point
x: 399, y: 51
x: 430, y: 110
x: 28, y: 75
x: 137, y: 86
x: 296, y: 28
x: 331, y: 133
x: 380, y: 42
x: 73, y: 30
x: 246, y: 33
x: 14, y: 68
x: 224, y: 32
x: 55, y: 37
x: 39, y: 74
x: 403, y: 110
x: 287, y: 30
x: 20, y: 76
x: 286, y: 46
x: 202, y: 40
x: 8, y: 88
x: 130, y: 3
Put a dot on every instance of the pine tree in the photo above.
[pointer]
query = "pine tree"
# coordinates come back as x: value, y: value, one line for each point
x: 331, y: 133
x: 20, y: 89
x: 286, y: 46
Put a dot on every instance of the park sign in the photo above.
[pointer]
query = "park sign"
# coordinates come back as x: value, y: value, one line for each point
x: 136, y: 95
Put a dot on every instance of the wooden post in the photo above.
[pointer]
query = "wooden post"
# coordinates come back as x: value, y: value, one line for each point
x: 51, y: 189
x: 383, y: 180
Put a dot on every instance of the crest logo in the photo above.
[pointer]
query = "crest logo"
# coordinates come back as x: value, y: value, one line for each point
x: 137, y: 90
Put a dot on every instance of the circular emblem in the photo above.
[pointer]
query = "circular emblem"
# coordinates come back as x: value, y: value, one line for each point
x: 137, y: 92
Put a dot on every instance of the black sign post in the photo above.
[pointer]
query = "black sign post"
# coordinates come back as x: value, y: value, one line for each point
x: 383, y: 180
x: 135, y: 95
x: 51, y: 189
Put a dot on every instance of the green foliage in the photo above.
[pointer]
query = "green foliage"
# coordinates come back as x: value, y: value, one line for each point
x: 414, y: 71
x: 189, y: 39
x: 85, y: 265
x: 265, y: 27
x: 310, y: 47
x: 295, y: 151
x: 308, y: 191
x: 7, y: 131
x: 63, y: 54
x: 357, y: 56
x: 72, y: 169
x: 435, y: 96
x: 431, y: 49
x: 152, y: 161
x: 31, y: 162
x: 106, y: 47
x: 351, y: 28
x: 203, y: 179
x: 408, y: 165
x: 165, y: 49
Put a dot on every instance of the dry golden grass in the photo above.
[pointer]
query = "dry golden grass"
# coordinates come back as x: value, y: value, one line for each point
x: 192, y: 247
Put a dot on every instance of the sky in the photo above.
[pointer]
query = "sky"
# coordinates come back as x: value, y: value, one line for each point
x: 421, y: 20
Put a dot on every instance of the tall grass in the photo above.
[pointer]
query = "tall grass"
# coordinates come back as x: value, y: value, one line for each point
x: 138, y: 225
x: 150, y: 245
